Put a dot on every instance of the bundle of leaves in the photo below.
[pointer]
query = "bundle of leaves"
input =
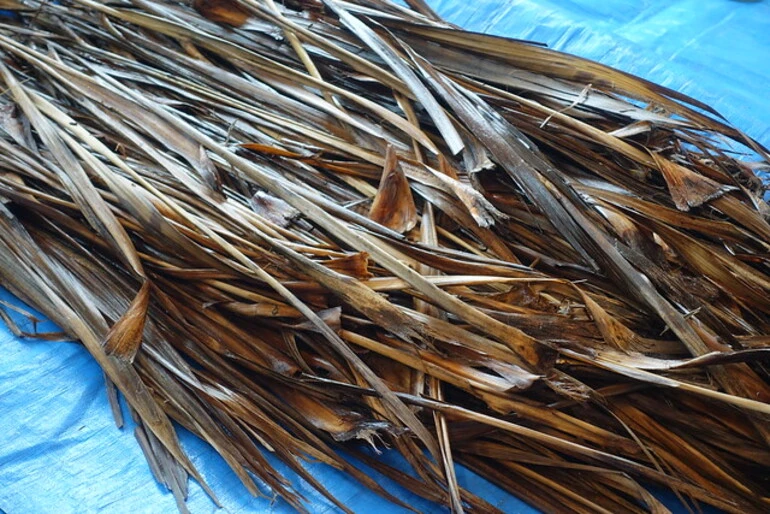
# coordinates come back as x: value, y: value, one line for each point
x: 301, y: 228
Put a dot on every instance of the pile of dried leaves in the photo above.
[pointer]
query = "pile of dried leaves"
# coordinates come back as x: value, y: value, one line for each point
x: 290, y: 228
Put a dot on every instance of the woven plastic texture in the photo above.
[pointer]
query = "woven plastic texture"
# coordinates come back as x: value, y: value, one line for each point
x: 59, y: 449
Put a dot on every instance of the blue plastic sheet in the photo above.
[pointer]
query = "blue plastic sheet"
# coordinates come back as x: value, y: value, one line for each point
x: 59, y: 449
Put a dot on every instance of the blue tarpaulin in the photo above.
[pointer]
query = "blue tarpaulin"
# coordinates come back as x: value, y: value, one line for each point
x: 59, y: 449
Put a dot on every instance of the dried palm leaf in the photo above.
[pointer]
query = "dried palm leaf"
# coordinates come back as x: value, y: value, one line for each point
x: 293, y: 228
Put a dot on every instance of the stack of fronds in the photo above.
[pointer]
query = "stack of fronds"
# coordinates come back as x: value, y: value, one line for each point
x: 290, y: 228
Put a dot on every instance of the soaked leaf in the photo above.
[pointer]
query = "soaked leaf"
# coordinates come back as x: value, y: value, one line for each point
x: 222, y: 11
